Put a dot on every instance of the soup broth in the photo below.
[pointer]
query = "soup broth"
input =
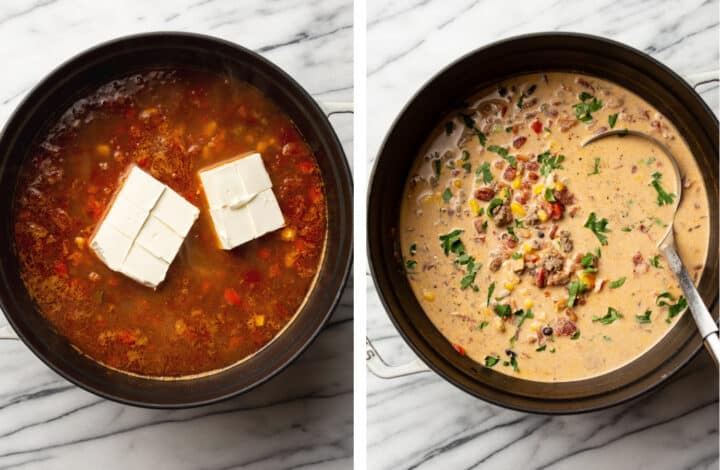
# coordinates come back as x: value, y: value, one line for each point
x: 535, y: 256
x: 215, y: 307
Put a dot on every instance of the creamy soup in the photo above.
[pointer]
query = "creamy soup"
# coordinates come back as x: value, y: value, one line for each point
x: 535, y: 256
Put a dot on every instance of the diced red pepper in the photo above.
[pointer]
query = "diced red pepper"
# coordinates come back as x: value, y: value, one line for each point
x: 556, y: 210
x: 61, y: 269
x: 536, y: 127
x: 231, y: 296
x: 459, y: 349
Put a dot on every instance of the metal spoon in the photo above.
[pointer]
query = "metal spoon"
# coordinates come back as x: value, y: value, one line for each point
x: 705, y: 323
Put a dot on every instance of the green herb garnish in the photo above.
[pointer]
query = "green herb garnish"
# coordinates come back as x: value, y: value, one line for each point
x: 575, y: 288
x: 493, y: 204
x: 523, y: 315
x: 517, y: 255
x: 451, y: 242
x: 587, y: 260
x: 644, y: 318
x: 549, y: 196
x: 549, y: 162
x: 618, y: 283
x: 447, y: 195
x: 611, y: 316
x: 491, y: 289
x: 612, y: 119
x: 482, y: 325
x: 655, y: 261
x: 541, y: 348
x: 598, y: 227
x: 502, y: 310
x: 503, y: 152
x: 588, y: 105
x: 596, y: 169
x: 490, y: 361
x: 484, y: 170
x: 575, y: 336
x: 437, y: 166
x: 663, y: 196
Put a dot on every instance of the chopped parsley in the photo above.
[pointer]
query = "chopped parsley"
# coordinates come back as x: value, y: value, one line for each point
x: 663, y: 197
x: 451, y: 242
x: 437, y: 166
x: 493, y: 204
x: 541, y: 348
x: 482, y: 325
x: 575, y: 288
x: 502, y: 310
x: 549, y: 162
x: 519, y: 223
x: 524, y: 314
x: 549, y: 196
x: 484, y: 171
x: 596, y: 169
x: 490, y: 361
x: 552, y: 350
x: 491, y: 289
x: 517, y: 255
x: 410, y: 264
x: 588, y: 105
x: 503, y: 154
x: 512, y: 362
x: 447, y: 195
x: 520, y: 101
x: 655, y: 261
x: 575, y: 336
x: 612, y: 119
x: 470, y: 124
x: 587, y: 261
x: 644, y: 318
x: 673, y: 309
x: 511, y: 231
x: 598, y: 227
x: 618, y: 283
x: 449, y: 127
x: 472, y: 267
x: 610, y: 317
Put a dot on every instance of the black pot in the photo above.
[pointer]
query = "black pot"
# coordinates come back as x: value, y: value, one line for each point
x: 166, y: 51
x: 484, y: 67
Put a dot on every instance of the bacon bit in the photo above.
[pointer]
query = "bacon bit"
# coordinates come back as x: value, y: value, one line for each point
x: 564, y: 327
x: 533, y: 166
x: 306, y: 166
x: 522, y: 197
x: 641, y: 268
x: 564, y: 196
x: 540, y: 277
x: 556, y: 210
x: 485, y: 193
x: 566, y: 124
x: 515, y: 129
x: 633, y: 169
x: 536, y: 127
x: 509, y: 173
x: 637, y: 258
x: 532, y: 176
x: 643, y: 228
x: 460, y: 350
x: 655, y: 125
x: 522, y: 157
x: 573, y: 211
x: 231, y: 296
x: 571, y: 313
x: 519, y: 141
x: 553, y: 231
x: 498, y: 163
x: 584, y: 83
x: 61, y: 269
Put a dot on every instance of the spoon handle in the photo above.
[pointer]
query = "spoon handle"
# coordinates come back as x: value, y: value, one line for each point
x: 705, y: 322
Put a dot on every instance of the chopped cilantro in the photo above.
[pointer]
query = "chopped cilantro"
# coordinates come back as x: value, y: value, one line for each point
x: 549, y: 162
x: 447, y: 195
x: 511, y: 231
x: 410, y: 264
x: 437, y: 166
x: 598, y: 227
x: 610, y: 317
x: 517, y: 255
x: 520, y: 101
x: 584, y: 109
x: 612, y: 119
x: 490, y: 361
x: 575, y: 288
x: 484, y: 170
x: 482, y: 325
x: 587, y: 260
x: 626, y: 229
x: 549, y: 196
x: 502, y: 310
x: 541, y: 348
x: 491, y: 289
x: 655, y: 261
x: 524, y: 315
x: 663, y: 196
x: 618, y: 283
x: 451, y: 242
x: 596, y: 169
x: 644, y: 318
x: 493, y: 204
x: 673, y: 309
x: 503, y: 152
x: 575, y: 336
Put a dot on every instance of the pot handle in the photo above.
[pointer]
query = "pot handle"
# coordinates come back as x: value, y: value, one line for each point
x: 700, y: 78
x: 6, y: 332
x: 337, y: 107
x: 379, y: 368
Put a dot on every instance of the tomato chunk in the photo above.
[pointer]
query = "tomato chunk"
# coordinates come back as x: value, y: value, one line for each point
x: 459, y: 349
x: 536, y: 126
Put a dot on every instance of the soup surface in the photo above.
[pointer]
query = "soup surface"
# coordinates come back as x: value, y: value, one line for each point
x: 538, y: 257
x: 215, y: 307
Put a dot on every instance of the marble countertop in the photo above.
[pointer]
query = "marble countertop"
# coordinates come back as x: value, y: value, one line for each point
x: 300, y: 419
x: 421, y: 421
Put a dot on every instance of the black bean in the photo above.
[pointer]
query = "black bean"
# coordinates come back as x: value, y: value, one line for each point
x: 510, y: 352
x: 547, y: 331
x: 502, y: 91
x: 541, y: 234
x: 531, y: 90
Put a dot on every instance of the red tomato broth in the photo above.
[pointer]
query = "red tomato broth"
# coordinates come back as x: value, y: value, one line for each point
x: 215, y: 307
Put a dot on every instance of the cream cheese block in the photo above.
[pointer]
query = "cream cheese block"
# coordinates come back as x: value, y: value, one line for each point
x: 143, y: 229
x: 242, y: 204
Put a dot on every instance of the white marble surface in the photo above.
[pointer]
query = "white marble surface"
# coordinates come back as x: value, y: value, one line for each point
x: 422, y: 421
x: 302, y: 418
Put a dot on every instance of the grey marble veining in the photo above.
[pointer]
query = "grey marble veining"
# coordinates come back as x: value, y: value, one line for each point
x: 422, y: 421
x: 300, y: 419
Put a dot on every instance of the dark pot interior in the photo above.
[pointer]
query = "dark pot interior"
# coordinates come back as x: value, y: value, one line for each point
x: 485, y: 67
x: 167, y: 50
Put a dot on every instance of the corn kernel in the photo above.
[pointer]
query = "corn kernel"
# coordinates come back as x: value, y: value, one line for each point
x: 288, y: 234
x: 180, y: 327
x: 528, y: 303
x: 559, y: 186
x: 80, y: 242
x: 587, y: 278
x: 499, y: 324
x: 103, y: 150
x: 526, y: 248
x: 474, y: 206
x: 259, y: 320
x: 516, y: 182
x: 517, y: 209
x: 554, y: 144
x: 485, y: 312
x: 542, y: 215
x: 539, y: 188
x: 457, y: 183
x: 429, y: 295
x: 547, y: 135
x: 534, y: 326
x: 509, y: 286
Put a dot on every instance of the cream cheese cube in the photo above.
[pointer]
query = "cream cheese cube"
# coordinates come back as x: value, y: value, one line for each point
x: 265, y: 213
x: 142, y: 231
x: 242, y: 204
